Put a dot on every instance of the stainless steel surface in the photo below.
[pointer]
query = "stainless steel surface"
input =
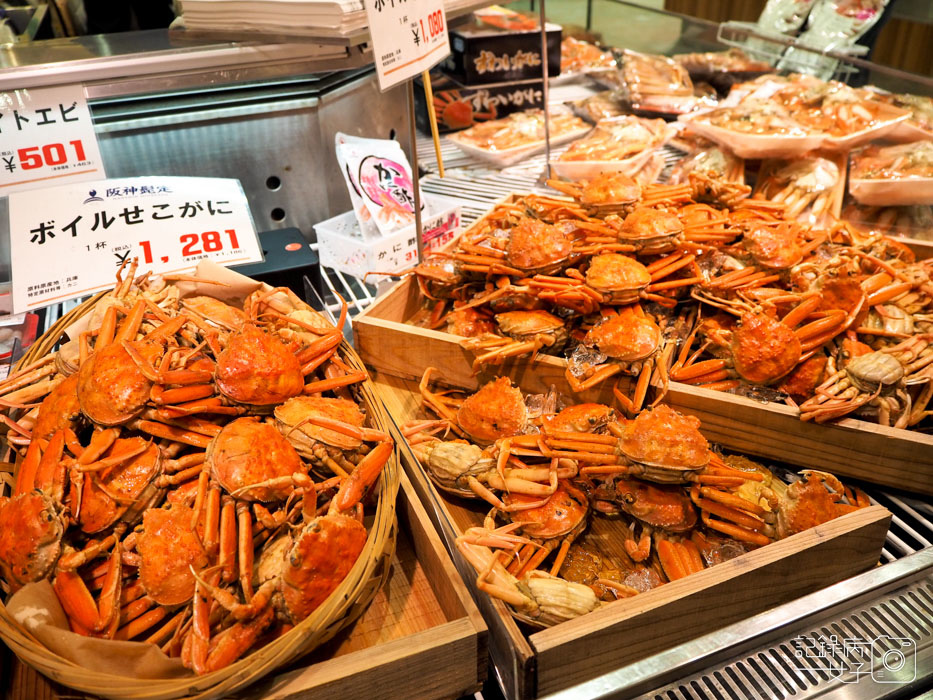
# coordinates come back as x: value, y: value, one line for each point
x: 894, y: 600
x: 151, y: 61
x: 160, y: 60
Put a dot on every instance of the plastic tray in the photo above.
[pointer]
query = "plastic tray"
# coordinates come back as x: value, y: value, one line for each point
x: 757, y: 145
x: 510, y: 156
x: 892, y: 193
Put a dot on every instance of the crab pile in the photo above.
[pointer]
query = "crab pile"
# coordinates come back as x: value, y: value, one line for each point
x: 545, y: 471
x: 699, y: 282
x: 191, y: 474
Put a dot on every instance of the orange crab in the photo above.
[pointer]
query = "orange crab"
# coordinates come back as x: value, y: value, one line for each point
x: 607, y: 193
x: 497, y: 410
x: 532, y: 247
x: 812, y: 500
x: 560, y: 519
x: 630, y: 339
x: 660, y: 445
x: 456, y: 112
x: 527, y: 332
x: 302, y: 572
x: 761, y: 350
x: 613, y: 278
x: 322, y: 446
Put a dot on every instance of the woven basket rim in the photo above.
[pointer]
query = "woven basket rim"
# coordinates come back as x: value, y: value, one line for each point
x: 341, y: 608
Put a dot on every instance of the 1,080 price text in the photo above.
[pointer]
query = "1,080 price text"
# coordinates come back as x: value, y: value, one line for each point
x: 435, y: 25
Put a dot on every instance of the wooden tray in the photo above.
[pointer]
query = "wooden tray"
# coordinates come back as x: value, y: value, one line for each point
x: 421, y: 637
x: 537, y: 663
x: 902, y: 459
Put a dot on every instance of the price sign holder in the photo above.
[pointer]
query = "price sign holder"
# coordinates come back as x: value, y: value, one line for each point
x: 411, y: 38
x: 67, y: 242
x: 46, y: 138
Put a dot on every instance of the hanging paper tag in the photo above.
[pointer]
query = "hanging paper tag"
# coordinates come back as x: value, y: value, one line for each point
x: 408, y: 37
x: 68, y: 242
x: 46, y: 138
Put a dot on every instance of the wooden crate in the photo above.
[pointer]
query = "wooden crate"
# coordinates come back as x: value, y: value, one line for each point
x: 902, y: 459
x: 532, y: 663
x: 421, y: 637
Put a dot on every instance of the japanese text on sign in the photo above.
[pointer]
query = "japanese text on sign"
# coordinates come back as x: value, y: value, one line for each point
x: 66, y: 242
x: 46, y: 136
x: 411, y: 37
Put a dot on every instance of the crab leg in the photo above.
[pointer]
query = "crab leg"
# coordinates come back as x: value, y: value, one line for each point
x: 679, y: 559
x: 735, y: 531
x: 78, y: 602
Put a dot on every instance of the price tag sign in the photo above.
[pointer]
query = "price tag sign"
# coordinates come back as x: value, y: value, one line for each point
x: 46, y: 136
x: 68, y: 242
x: 408, y: 36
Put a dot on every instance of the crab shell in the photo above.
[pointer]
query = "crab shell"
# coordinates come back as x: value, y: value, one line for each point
x: 320, y: 558
x: 620, y: 278
x: 292, y: 412
x: 530, y: 325
x: 448, y: 461
x: 665, y: 507
x: 538, y: 248
x: 247, y: 451
x: 111, y: 388
x: 873, y: 370
x: 651, y: 230
x: 469, y: 323
x: 169, y: 548
x: 626, y: 337
x: 60, y: 409
x: 553, y: 600
x: 30, y: 537
x: 580, y: 418
x: 563, y: 514
x: 764, y: 349
x: 774, y: 247
x: 131, y: 481
x: 805, y: 377
x: 610, y: 189
x: 256, y: 368
x: 664, y: 438
x: 438, y: 276
x: 495, y: 411
x: 807, y: 503
x: 216, y: 312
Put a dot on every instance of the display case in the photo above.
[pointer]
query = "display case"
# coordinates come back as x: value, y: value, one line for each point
x: 267, y: 114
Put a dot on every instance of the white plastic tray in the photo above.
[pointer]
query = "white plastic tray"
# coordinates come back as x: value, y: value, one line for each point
x: 510, y: 156
x: 892, y: 193
x: 757, y: 145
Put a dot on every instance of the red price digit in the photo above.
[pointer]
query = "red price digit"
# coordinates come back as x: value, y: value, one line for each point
x: 147, y: 251
x: 210, y: 241
x: 436, y: 23
x: 49, y: 154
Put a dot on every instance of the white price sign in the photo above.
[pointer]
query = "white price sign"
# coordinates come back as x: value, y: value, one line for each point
x: 67, y: 242
x: 46, y: 136
x: 408, y: 36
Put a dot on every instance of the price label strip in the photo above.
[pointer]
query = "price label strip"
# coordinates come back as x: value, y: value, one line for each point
x: 408, y: 37
x: 67, y: 242
x: 46, y: 136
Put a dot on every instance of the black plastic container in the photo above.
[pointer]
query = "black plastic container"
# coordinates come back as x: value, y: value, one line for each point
x: 459, y: 107
x: 482, y: 55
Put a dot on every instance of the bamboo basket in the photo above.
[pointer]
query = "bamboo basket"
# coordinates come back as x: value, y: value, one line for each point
x: 343, y: 606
